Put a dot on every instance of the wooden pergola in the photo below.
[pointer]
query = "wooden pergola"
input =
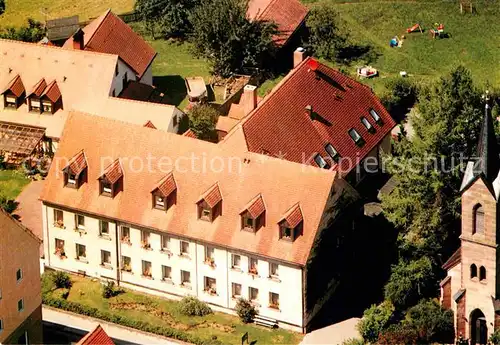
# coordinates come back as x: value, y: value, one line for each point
x: 20, y: 140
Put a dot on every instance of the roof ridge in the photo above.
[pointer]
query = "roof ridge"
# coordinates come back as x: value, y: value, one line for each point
x: 163, y: 105
x: 266, y: 9
x: 104, y: 16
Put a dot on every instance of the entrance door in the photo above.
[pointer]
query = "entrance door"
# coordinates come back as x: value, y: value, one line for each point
x: 479, y: 329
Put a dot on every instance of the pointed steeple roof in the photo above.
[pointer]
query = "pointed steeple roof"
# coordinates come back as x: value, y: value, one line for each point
x: 488, y: 161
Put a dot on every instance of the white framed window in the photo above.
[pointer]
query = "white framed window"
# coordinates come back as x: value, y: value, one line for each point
x: 236, y: 261
x: 236, y: 290
x: 166, y: 272
x: 58, y: 218
x: 146, y: 269
x: 354, y: 135
x: 80, y: 222
x: 81, y: 252
x: 253, y: 266
x: 366, y: 123
x: 145, y: 243
x: 184, y: 250
x: 125, y: 234
x: 20, y: 305
x: 105, y: 258
x: 273, y: 269
x: 126, y: 263
x: 253, y: 294
x: 19, y: 275
x: 185, y: 278
x: 71, y: 178
x: 209, y: 255
x: 210, y: 285
x: 104, y: 228
x: 274, y: 300
x: 165, y: 243
x: 159, y: 202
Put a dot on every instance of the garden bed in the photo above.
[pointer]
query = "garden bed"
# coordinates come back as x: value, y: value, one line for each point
x: 157, y: 315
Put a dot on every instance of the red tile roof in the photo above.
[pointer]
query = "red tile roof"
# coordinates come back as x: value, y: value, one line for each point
x: 189, y: 133
x: 109, y: 34
x: 293, y: 216
x: 281, y: 127
x: 287, y: 14
x: 454, y: 259
x: 149, y: 124
x: 16, y: 86
x: 212, y: 197
x: 39, y: 88
x: 113, y: 172
x: 52, y: 92
x: 167, y: 185
x: 77, y: 164
x: 255, y: 207
x: 97, y: 337
x: 281, y: 184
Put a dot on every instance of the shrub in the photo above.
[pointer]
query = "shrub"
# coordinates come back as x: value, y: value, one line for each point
x: 202, y: 120
x: 245, y: 310
x: 375, y: 320
x: 398, y: 335
x: 62, y: 280
x: 495, y: 337
x: 431, y: 322
x: 109, y: 290
x: 192, y: 306
x: 353, y: 341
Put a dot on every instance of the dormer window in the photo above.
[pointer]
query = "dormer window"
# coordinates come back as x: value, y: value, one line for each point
x: 356, y: 137
x: 14, y: 93
x: 253, y: 216
x: 367, y: 124
x: 51, y: 99
x: 375, y: 116
x: 33, y: 100
x: 290, y: 227
x: 110, y: 181
x: 210, y: 204
x: 75, y: 171
x: 321, y: 162
x: 332, y: 152
x: 165, y: 193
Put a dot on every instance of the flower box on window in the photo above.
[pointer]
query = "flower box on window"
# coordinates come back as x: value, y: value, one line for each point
x: 126, y: 240
x: 127, y: 268
x: 59, y: 224
x: 145, y: 245
x: 274, y: 306
x: 210, y: 262
x: 253, y: 270
x: 211, y: 291
x: 60, y: 253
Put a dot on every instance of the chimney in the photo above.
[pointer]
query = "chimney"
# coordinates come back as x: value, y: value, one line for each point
x: 298, y: 56
x: 310, y: 112
x: 78, y: 38
x: 249, y: 98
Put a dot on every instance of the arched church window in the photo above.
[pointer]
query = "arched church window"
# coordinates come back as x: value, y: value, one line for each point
x: 482, y: 273
x: 478, y: 219
x: 473, y: 271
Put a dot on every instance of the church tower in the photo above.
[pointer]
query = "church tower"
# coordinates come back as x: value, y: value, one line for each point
x: 472, y: 287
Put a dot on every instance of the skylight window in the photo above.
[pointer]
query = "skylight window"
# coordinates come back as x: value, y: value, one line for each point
x: 375, y: 115
x: 355, y: 135
x: 332, y: 152
x: 320, y: 161
x: 366, y: 123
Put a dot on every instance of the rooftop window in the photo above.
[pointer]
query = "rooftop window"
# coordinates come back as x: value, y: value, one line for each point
x: 320, y: 161
x: 375, y: 116
x: 332, y: 152
x: 356, y: 137
x: 366, y: 123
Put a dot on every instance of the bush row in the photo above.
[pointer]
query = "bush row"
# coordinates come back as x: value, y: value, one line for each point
x: 78, y: 308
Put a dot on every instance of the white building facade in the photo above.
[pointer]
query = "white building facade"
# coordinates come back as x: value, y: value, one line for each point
x: 171, y: 266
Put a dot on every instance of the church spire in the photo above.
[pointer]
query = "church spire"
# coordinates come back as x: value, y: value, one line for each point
x: 488, y: 161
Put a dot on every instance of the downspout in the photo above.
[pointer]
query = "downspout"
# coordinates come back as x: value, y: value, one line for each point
x: 48, y: 242
x: 118, y: 255
x: 196, y: 266
x: 304, y: 314
x: 229, y: 288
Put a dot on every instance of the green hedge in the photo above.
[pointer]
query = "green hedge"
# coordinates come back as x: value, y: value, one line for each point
x: 124, y: 321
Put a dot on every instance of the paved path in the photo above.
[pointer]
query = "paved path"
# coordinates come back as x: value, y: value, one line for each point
x: 86, y: 323
x: 29, y: 209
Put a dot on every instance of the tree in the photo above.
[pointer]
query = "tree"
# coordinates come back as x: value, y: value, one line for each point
x: 375, y: 320
x: 409, y: 282
x: 425, y: 205
x: 430, y: 322
x: 2, y: 6
x: 245, y: 310
x: 224, y: 35
x: 33, y: 32
x: 326, y: 34
x: 202, y: 120
x: 171, y: 18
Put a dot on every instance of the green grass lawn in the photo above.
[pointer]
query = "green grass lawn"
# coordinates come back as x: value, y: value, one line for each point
x: 474, y: 40
x: 17, y: 11
x: 163, y: 312
x: 12, y: 183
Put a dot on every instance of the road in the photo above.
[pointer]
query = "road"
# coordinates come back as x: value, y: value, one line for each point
x: 61, y: 327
